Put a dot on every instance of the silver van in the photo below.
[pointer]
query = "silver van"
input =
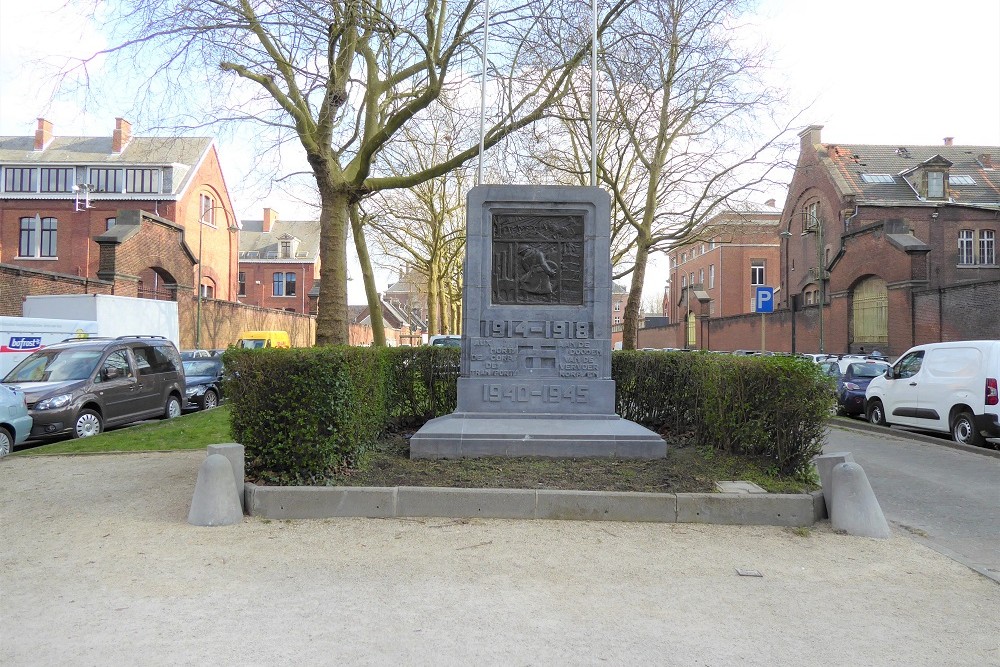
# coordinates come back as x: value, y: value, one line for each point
x: 83, y: 385
x: 945, y: 387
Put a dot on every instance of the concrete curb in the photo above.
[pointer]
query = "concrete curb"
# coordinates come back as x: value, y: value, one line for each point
x: 901, y: 432
x: 321, y: 502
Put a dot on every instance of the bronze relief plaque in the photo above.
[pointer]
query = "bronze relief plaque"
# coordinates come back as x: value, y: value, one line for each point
x: 537, y: 259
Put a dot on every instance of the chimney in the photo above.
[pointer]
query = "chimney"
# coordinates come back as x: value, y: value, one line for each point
x: 43, y: 135
x: 770, y: 202
x: 985, y: 160
x: 810, y: 136
x: 270, y: 217
x: 121, y: 135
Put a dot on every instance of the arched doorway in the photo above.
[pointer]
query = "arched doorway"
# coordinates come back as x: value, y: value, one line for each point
x: 156, y: 283
x: 870, y: 312
x: 690, y: 339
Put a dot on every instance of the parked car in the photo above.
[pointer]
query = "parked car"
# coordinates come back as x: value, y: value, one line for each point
x: 203, y: 383
x: 195, y: 354
x: 15, y: 422
x: 946, y: 387
x: 853, y: 376
x: 445, y: 340
x: 81, y: 386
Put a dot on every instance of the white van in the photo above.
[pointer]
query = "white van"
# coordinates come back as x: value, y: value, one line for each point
x: 947, y: 387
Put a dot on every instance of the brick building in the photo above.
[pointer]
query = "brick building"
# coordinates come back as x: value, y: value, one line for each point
x: 881, y: 247
x: 279, y: 263
x: 714, y: 271
x: 59, y: 194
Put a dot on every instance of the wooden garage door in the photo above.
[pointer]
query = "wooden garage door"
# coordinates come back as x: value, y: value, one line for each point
x: 870, y: 311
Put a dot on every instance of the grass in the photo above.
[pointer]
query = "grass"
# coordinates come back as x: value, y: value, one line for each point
x: 191, y: 431
x: 685, y: 469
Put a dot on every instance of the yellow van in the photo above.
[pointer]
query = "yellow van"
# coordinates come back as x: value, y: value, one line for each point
x: 257, y: 339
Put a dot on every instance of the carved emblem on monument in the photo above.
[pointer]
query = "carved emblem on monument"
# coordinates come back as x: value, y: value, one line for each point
x: 537, y: 259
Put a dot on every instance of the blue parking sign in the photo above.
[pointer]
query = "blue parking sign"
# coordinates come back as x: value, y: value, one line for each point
x: 763, y: 299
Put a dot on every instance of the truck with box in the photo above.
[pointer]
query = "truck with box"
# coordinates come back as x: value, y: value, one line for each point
x: 20, y: 336
x: 115, y: 315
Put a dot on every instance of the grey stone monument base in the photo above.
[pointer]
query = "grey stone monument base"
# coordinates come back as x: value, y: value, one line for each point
x: 473, y: 435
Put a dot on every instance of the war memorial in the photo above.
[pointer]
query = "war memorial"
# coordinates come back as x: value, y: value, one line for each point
x: 536, y: 333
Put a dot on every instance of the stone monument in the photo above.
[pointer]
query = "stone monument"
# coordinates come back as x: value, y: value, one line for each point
x: 536, y: 333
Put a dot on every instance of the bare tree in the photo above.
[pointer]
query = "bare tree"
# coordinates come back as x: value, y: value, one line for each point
x: 687, y: 128
x: 344, y: 78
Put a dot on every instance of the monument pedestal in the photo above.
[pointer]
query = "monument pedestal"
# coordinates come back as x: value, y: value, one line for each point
x: 474, y: 435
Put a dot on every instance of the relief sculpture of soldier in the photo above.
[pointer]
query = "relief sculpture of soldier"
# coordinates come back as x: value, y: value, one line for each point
x: 537, y: 272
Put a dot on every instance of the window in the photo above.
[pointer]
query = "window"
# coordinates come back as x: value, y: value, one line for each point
x: 965, y: 247
x: 961, y: 179
x: 19, y: 179
x: 142, y: 180
x: 110, y: 222
x: 711, y: 276
x: 618, y: 320
x: 684, y: 282
x: 987, y: 247
x: 684, y: 257
x: 878, y: 178
x: 26, y: 246
x: 106, y: 180
x: 757, y: 272
x: 935, y: 185
x: 206, y: 210
x: 909, y: 365
x: 284, y: 284
x: 48, y: 237
x: 117, y: 361
x: 57, y: 179
x: 702, y: 248
x: 691, y: 279
x: 618, y: 306
x: 701, y: 276
x: 208, y: 291
x: 37, y: 237
x: 286, y: 249
x: 243, y: 284
x: 810, y: 216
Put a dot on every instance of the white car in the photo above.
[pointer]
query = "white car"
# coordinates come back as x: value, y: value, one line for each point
x: 15, y: 422
x: 945, y: 387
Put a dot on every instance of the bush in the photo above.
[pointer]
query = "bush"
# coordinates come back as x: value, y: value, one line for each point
x: 303, y: 413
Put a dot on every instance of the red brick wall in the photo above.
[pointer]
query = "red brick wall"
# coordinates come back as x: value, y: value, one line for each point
x: 963, y: 312
x: 18, y: 282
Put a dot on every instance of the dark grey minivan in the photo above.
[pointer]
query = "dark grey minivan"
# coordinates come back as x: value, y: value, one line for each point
x: 83, y: 385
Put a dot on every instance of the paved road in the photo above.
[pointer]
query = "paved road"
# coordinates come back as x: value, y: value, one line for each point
x: 946, y: 498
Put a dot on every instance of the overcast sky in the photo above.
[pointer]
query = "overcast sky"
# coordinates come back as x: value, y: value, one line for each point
x: 891, y: 72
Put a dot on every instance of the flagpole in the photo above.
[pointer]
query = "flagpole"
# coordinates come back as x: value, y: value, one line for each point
x: 482, y: 98
x: 593, y: 94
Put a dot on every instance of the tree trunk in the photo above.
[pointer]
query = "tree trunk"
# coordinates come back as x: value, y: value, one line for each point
x: 433, y: 311
x: 331, y: 318
x: 630, y: 326
x: 368, y: 276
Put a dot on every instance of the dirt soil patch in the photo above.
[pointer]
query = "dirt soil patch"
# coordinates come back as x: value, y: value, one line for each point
x: 685, y: 469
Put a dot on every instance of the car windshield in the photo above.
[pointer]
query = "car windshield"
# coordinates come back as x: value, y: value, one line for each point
x: 201, y: 367
x: 867, y: 370
x: 252, y: 343
x: 55, y: 366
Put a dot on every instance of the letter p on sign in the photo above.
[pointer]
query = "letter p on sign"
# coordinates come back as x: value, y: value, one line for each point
x: 763, y: 299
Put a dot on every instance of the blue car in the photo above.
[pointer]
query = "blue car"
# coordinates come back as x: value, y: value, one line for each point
x: 853, y: 376
x: 203, y: 382
x: 15, y: 422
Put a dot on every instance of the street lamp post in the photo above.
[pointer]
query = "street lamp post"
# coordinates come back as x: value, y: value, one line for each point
x: 820, y: 276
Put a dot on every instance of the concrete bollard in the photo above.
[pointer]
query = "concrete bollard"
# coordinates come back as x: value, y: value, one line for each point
x: 233, y: 451
x: 824, y: 466
x: 855, y: 509
x: 215, y: 501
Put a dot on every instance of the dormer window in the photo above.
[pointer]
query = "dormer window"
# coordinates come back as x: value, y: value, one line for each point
x: 286, y: 250
x: 935, y: 185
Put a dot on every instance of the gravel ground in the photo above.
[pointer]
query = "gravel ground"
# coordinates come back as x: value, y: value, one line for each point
x: 99, y: 566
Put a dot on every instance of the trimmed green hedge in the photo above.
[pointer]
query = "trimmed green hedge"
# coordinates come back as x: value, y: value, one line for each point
x: 307, y: 412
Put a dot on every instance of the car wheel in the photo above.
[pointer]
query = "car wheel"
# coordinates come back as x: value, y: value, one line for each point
x: 876, y: 413
x: 963, y: 430
x: 173, y: 408
x: 209, y: 400
x: 87, y: 423
x: 6, y: 442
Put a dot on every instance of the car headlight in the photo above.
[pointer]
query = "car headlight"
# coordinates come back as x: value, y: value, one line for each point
x: 194, y: 391
x: 54, y: 403
x: 851, y: 386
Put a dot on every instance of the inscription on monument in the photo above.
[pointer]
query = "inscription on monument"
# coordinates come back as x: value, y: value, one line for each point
x: 537, y: 259
x: 503, y: 358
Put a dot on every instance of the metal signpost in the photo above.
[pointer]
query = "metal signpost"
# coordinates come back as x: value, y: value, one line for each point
x: 763, y: 302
